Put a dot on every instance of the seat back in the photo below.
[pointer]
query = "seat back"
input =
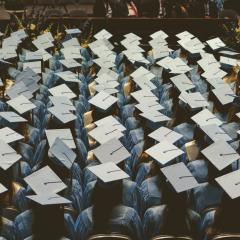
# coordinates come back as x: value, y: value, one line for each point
x: 111, y: 236
x: 227, y: 236
x: 166, y: 237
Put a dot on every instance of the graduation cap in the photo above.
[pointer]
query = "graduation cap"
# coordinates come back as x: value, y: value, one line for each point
x: 64, y: 134
x: 108, y: 172
x: 8, y: 156
x: 205, y: 117
x: 165, y: 134
x: 225, y: 94
x: 180, y: 177
x: 62, y: 91
x: 70, y: 63
x: 63, y: 102
x: 230, y: 183
x: 111, y: 151
x: 63, y: 153
x: 164, y: 152
x: 21, y: 104
x: 220, y: 154
x: 182, y: 82
x: 216, y: 43
x: 49, y: 199
x: 103, y: 100
x: 104, y: 133
x: 62, y: 114
x: 103, y: 34
x: 12, y: 117
x: 110, y: 121
x: 45, y: 181
x: 8, y: 135
x: 35, y: 66
x: 194, y: 100
x: 2, y: 189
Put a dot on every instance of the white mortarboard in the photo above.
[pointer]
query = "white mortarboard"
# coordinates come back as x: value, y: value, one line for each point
x: 100, y: 43
x: 158, y: 42
x: 149, y: 107
x: 130, y: 43
x: 230, y: 183
x: 20, y: 34
x: 155, y: 116
x: 132, y: 36
x: 47, y: 35
x: 1, y: 83
x: 111, y: 151
x: 9, y: 53
x: 62, y: 114
x: 192, y: 45
x: 103, y: 100
x: 220, y: 154
x: 62, y: 91
x: 103, y: 34
x: 225, y: 94
x: 108, y: 172
x: 17, y: 89
x: 63, y: 153
x: 238, y: 114
x: 178, y: 66
x: 144, y: 96
x: 2, y: 189
x: 105, y: 78
x: 8, y: 156
x: 216, y: 82
x: 42, y: 43
x: 143, y: 72
x: 27, y: 73
x: 164, y: 152
x: 182, y: 82
x: 68, y: 76
x: 104, y: 62
x: 107, y: 71
x: 104, y: 133
x: 194, y: 100
x: 180, y: 177
x: 45, y: 181
x: 228, y: 61
x: 8, y: 135
x: 110, y: 121
x: 215, y: 133
x: 214, y: 73
x: 71, y: 53
x: 63, y: 102
x: 165, y: 62
x: 209, y: 61
x: 73, y: 31
x: 70, y: 63
x: 158, y: 34
x: 165, y: 134
x: 185, y: 35
x: 73, y: 42
x: 21, y: 104
x: 205, y: 117
x: 12, y: 117
x: 64, y: 134
x: 35, y: 66
x: 160, y: 52
x: 49, y: 199
x: 10, y: 42
x: 216, y: 43
x: 105, y: 88
x: 40, y: 54
x: 144, y: 83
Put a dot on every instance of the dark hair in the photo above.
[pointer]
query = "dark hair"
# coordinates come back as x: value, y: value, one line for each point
x: 176, y: 215
x: 226, y: 217
x: 105, y: 198
x: 48, y: 222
